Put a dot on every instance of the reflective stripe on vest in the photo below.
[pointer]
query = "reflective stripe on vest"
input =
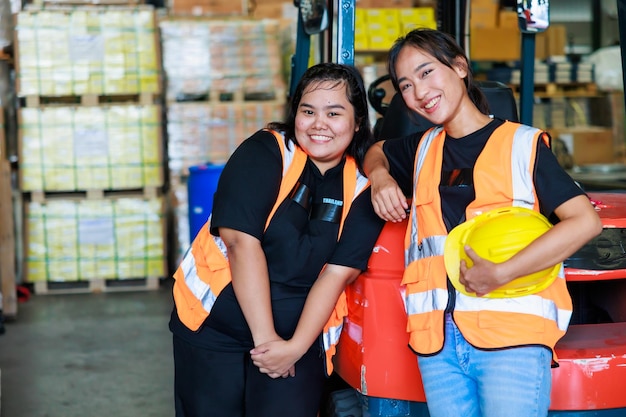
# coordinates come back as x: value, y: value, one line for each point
x: 540, y: 318
x: 204, y: 270
x: 200, y: 289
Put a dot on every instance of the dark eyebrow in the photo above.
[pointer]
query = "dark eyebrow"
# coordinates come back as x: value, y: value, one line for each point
x: 330, y: 107
x: 419, y: 67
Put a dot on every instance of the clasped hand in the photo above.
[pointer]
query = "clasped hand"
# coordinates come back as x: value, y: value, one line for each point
x: 483, y: 277
x: 276, y: 358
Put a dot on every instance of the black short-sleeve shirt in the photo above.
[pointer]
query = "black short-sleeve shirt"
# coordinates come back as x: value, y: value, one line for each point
x: 297, y: 245
x: 552, y: 184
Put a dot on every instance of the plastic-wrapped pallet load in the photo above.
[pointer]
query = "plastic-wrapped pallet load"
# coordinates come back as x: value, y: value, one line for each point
x: 199, y: 131
x: 80, y: 148
x: 204, y: 58
x: 105, y: 50
x: 208, y: 7
x: 112, y: 238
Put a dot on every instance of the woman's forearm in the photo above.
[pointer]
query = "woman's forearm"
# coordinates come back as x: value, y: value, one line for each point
x: 375, y: 159
x: 320, y: 304
x: 250, y: 282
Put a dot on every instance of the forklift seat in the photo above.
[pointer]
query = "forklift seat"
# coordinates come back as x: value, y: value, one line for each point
x: 399, y: 121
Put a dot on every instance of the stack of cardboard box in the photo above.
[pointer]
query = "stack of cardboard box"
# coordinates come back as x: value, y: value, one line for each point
x: 377, y: 28
x: 495, y: 34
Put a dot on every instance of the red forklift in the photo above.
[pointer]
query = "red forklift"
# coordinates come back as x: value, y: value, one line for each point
x: 376, y: 374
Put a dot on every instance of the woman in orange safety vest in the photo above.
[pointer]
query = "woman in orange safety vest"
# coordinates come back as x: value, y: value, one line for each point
x: 259, y: 301
x: 478, y: 356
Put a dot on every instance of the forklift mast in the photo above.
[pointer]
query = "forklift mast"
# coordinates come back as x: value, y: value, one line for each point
x: 453, y: 18
x: 338, y: 22
x: 621, y: 23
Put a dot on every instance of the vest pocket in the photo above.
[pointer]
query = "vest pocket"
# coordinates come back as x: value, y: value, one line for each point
x: 214, y: 258
x: 417, y: 295
x: 416, y: 273
x: 423, y: 196
x: 419, y: 322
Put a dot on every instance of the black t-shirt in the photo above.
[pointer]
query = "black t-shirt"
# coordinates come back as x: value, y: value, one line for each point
x: 297, y: 244
x: 552, y: 184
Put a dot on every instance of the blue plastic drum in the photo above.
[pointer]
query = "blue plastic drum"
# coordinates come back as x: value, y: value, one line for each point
x: 201, y: 187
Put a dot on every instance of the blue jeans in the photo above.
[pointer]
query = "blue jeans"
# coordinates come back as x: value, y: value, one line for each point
x: 462, y: 381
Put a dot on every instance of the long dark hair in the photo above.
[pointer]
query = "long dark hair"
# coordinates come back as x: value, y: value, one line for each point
x: 445, y: 49
x: 355, y: 91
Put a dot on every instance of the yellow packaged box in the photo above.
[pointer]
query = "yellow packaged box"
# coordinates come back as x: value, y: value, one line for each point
x: 384, y: 3
x: 383, y: 17
x: 84, y: 239
x: 361, y: 42
x: 381, y: 42
x: 90, y: 147
x: 360, y: 15
x: 361, y: 27
x: 416, y: 15
x: 65, y: 51
x: 407, y: 27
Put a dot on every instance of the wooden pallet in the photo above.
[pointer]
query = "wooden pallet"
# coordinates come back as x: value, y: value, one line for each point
x: 236, y: 96
x: 96, y: 286
x: 89, y: 99
x: 92, y: 2
x: 40, y: 196
x: 560, y: 89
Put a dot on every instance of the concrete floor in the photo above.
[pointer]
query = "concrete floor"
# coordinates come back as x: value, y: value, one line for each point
x: 89, y: 355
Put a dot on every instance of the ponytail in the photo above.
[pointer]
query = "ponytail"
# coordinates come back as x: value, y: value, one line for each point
x: 477, y: 96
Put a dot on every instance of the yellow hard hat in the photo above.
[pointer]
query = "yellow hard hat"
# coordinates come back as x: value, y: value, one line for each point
x: 497, y: 235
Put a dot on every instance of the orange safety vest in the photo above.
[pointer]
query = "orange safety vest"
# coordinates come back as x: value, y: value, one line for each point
x: 204, y: 271
x: 503, y: 177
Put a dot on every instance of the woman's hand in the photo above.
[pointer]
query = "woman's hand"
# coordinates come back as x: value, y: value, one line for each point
x: 578, y: 224
x: 387, y: 198
x: 276, y: 358
x: 483, y: 277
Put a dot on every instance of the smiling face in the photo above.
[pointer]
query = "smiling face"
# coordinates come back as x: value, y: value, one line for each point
x: 325, y: 123
x: 431, y: 88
